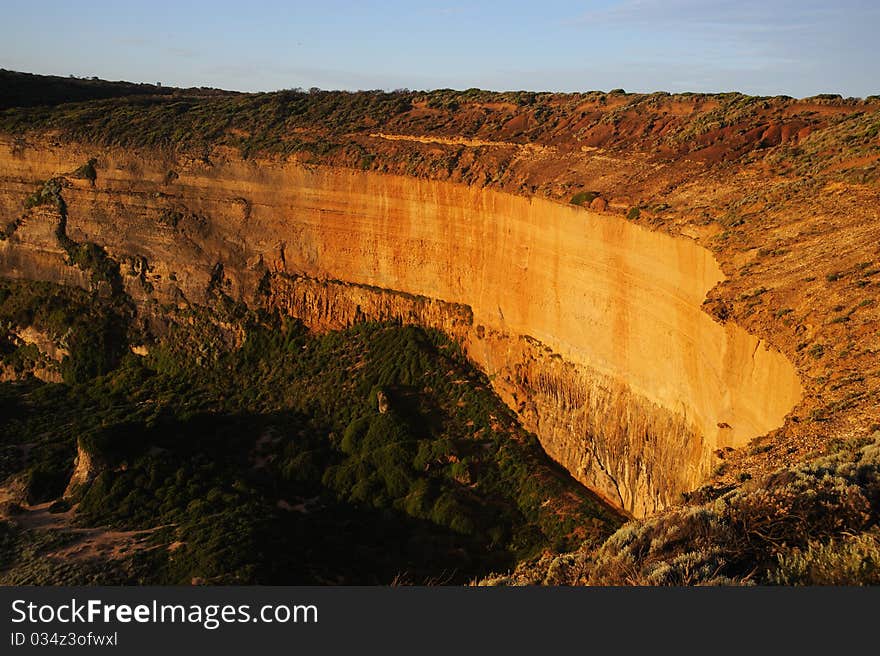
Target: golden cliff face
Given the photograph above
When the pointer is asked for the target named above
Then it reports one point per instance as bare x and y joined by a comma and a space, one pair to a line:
589, 326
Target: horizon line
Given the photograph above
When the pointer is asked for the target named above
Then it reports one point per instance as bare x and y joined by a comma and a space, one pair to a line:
614, 91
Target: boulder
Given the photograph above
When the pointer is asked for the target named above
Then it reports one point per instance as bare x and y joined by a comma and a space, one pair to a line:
599, 204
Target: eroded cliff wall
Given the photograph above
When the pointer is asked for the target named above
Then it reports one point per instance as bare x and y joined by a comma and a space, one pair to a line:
589, 326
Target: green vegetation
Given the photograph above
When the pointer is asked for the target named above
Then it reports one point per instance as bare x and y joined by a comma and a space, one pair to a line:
847, 560
27, 90
87, 171
196, 121
807, 524
634, 214
813, 524
93, 330
87, 256
10, 229
848, 145
584, 197
317, 125
267, 460
49, 193
94, 259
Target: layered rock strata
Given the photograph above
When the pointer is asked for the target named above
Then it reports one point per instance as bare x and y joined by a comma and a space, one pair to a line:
589, 326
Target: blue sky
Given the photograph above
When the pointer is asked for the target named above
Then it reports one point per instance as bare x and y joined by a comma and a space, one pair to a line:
768, 47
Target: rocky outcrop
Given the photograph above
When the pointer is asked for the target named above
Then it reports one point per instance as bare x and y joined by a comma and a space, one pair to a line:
589, 326
637, 454
45, 366
384, 405
334, 304
86, 467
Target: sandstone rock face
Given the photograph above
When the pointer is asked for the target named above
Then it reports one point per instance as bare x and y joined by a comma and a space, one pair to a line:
589, 326
382, 402
599, 204
42, 341
333, 304
85, 469
48, 372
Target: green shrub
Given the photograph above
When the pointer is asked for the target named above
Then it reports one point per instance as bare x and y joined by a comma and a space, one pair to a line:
87, 171
49, 193
584, 197
850, 560
814, 523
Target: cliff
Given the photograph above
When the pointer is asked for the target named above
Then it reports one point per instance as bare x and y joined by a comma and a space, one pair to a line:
590, 326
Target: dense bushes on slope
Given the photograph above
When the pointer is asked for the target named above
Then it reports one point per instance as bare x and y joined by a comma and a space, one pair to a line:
93, 330
264, 458
330, 125
28, 90
812, 524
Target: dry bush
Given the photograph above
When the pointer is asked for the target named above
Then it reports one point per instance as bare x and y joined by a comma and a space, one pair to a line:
811, 524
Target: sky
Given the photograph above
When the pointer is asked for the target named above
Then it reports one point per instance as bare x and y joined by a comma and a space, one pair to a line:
764, 47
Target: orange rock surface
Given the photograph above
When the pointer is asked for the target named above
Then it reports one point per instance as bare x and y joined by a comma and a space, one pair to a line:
640, 388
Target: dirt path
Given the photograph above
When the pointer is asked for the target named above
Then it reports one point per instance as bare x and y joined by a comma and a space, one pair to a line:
88, 543
460, 141
447, 141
